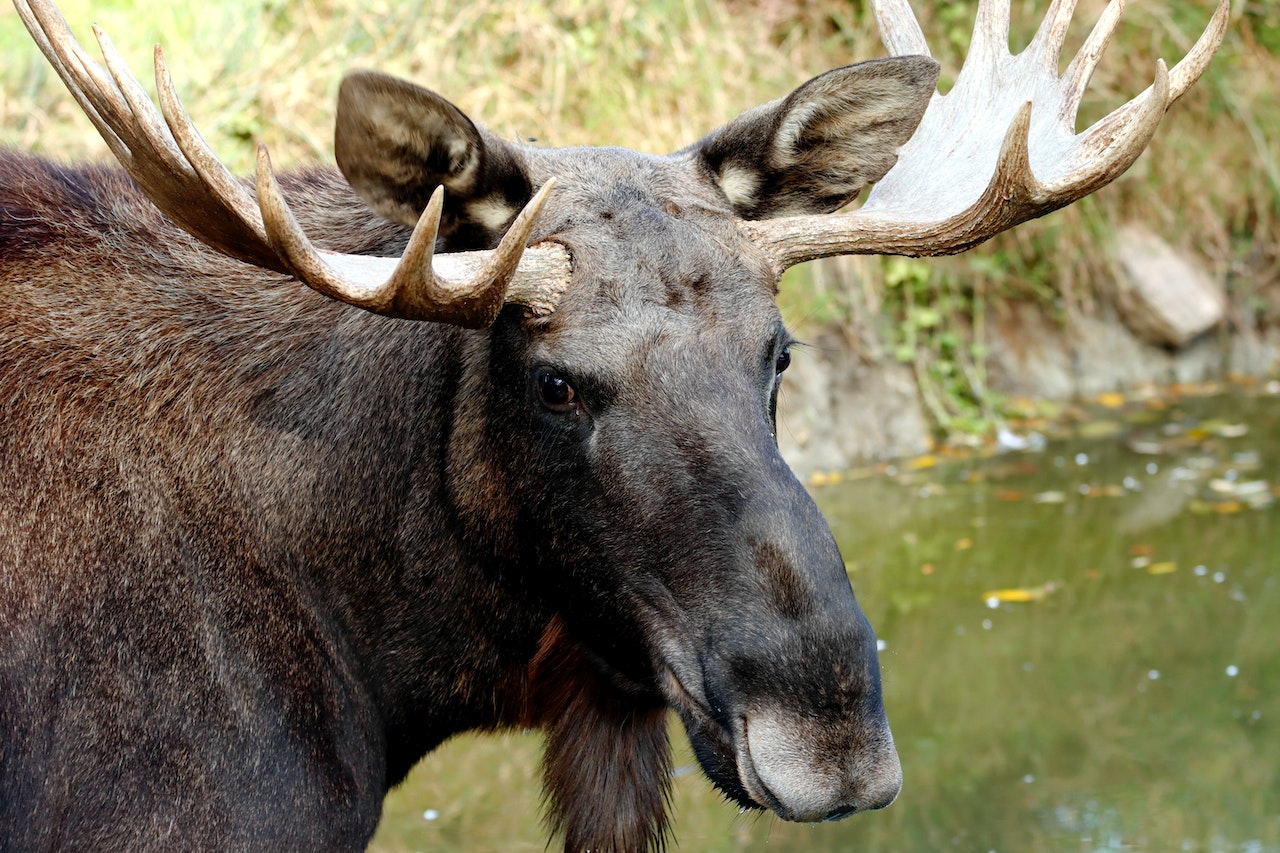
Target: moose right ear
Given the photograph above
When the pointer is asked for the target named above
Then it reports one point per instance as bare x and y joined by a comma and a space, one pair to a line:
814, 150
396, 142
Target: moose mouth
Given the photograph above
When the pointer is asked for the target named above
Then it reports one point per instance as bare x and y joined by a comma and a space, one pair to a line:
760, 761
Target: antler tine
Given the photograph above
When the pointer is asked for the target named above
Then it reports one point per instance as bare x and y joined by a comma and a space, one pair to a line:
139, 114
247, 239
414, 288
899, 29
991, 27
1052, 33
1188, 70
52, 35
165, 154
1110, 146
957, 184
1080, 71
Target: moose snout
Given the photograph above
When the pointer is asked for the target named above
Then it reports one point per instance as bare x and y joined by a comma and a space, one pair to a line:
806, 769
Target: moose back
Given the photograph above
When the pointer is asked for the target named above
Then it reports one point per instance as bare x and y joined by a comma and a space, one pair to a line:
299, 478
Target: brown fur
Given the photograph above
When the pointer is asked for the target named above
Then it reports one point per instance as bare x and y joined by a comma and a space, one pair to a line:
260, 551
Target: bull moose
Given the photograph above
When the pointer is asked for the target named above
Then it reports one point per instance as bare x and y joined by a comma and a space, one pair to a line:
299, 478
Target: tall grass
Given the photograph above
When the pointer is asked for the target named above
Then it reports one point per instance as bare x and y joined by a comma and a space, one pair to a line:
656, 76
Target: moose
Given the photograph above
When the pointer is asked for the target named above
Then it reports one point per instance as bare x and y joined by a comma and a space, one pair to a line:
302, 475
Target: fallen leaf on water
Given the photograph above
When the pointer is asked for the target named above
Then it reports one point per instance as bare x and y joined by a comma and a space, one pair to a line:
964, 544
1050, 497
1239, 488
1162, 568
1019, 594
1146, 446
1217, 426
1010, 495
921, 462
927, 569
1141, 550
1111, 400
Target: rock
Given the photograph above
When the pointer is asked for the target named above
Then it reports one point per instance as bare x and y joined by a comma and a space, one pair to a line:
836, 409
1162, 295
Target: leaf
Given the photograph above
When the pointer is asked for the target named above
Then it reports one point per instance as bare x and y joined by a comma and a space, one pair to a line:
1162, 568
1019, 594
1111, 400
921, 462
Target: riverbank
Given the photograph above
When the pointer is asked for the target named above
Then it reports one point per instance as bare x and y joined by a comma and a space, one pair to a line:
850, 399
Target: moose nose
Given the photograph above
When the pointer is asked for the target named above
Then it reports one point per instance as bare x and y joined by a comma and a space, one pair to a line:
794, 766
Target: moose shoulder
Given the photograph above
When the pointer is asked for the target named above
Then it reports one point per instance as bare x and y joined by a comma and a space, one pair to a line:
261, 550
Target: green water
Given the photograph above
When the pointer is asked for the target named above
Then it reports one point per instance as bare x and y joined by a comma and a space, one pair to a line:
1132, 704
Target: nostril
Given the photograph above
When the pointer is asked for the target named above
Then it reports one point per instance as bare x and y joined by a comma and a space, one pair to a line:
841, 815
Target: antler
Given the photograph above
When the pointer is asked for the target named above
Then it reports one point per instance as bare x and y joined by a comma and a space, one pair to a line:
180, 174
1011, 118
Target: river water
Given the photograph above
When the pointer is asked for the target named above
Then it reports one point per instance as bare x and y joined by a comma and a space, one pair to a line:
1079, 654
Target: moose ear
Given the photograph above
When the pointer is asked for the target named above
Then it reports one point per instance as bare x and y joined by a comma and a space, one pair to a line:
396, 142
814, 150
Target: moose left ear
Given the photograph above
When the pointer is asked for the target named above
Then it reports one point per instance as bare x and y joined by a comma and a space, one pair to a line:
814, 150
396, 142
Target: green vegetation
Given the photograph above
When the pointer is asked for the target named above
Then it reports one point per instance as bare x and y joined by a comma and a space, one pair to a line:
657, 76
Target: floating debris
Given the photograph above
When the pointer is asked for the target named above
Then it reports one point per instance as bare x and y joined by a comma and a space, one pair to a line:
1165, 568
1111, 400
921, 463
995, 597
1009, 441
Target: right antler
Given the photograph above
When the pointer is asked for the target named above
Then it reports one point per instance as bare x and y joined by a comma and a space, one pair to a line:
1000, 148
180, 174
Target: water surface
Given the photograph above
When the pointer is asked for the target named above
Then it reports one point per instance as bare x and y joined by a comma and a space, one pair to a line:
1079, 655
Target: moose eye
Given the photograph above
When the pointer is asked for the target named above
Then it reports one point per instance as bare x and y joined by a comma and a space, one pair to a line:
556, 393
784, 360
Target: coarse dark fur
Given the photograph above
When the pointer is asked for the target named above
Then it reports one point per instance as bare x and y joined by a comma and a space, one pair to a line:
261, 551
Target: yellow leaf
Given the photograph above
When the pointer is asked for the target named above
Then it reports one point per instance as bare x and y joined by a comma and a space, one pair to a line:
1111, 400
921, 462
1162, 568
964, 544
1035, 593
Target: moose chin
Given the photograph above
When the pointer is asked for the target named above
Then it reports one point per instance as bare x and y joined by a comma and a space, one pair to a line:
303, 475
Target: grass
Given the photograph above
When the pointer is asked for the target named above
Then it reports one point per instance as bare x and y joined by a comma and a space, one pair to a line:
657, 76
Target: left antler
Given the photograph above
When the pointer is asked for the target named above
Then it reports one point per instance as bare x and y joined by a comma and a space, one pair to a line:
1000, 148
171, 163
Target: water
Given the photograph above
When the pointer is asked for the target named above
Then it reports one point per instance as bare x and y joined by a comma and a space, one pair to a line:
1079, 655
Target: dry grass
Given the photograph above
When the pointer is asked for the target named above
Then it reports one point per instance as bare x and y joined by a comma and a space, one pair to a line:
654, 77
657, 76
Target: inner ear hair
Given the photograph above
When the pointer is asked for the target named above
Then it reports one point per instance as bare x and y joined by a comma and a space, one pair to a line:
814, 150
396, 142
